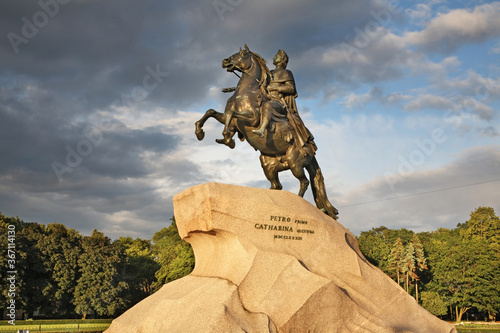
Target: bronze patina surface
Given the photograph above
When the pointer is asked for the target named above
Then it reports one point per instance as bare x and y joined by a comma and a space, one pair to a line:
262, 111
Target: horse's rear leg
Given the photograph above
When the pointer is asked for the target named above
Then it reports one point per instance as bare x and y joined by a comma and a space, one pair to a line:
298, 172
272, 166
319, 189
297, 162
211, 113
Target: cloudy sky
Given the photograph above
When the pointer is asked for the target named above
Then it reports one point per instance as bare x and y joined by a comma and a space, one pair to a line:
98, 101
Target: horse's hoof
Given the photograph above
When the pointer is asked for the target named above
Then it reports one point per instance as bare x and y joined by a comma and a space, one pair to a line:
230, 143
200, 134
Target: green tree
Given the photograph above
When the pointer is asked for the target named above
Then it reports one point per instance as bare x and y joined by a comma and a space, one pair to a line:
456, 268
452, 274
405, 235
433, 302
45, 269
483, 224
409, 266
32, 275
420, 262
373, 245
483, 228
397, 259
486, 285
60, 249
436, 247
101, 286
376, 244
466, 275
175, 256
141, 267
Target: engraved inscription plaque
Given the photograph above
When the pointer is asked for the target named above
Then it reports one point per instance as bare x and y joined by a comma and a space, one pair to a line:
286, 227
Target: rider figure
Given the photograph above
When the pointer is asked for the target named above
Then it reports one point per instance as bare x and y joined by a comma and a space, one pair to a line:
281, 89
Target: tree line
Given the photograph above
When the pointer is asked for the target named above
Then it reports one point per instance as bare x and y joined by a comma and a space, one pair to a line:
60, 273
450, 272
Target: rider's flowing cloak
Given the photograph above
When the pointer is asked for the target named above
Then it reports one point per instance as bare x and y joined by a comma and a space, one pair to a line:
305, 137
302, 135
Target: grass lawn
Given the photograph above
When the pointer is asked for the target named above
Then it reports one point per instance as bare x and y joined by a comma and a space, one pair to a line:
478, 327
63, 325
99, 325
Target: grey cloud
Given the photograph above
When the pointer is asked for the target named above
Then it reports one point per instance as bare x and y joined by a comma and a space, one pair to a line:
120, 153
374, 94
447, 32
489, 131
425, 200
32, 139
429, 101
473, 85
383, 57
90, 58
97, 51
88, 47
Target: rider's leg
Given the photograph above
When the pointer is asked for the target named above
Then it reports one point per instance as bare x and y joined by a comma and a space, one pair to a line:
264, 122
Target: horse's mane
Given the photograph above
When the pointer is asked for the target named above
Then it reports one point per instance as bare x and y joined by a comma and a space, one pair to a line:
266, 73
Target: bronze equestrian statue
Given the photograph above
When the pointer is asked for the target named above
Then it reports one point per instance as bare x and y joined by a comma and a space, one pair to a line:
262, 110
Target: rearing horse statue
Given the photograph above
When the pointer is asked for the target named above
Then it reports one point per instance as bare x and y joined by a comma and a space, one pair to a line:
281, 148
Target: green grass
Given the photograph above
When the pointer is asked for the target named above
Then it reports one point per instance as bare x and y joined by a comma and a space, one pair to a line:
99, 325
65, 325
477, 328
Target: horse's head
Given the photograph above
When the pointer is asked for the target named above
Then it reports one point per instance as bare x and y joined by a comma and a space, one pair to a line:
244, 61
240, 61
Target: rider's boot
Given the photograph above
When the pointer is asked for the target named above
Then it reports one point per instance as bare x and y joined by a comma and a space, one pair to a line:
260, 131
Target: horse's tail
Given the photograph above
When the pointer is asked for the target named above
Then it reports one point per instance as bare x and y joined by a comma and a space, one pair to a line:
319, 189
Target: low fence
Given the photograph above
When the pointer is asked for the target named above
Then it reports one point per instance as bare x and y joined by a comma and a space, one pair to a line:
478, 327
56, 328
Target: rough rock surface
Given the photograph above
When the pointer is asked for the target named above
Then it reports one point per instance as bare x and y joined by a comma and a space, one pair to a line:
269, 261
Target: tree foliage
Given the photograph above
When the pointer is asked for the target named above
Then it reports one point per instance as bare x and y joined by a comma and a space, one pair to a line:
100, 288
377, 244
396, 260
31, 276
60, 249
175, 255
456, 269
432, 301
62, 273
140, 269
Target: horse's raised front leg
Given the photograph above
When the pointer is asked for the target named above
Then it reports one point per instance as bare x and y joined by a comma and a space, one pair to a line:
229, 129
211, 113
